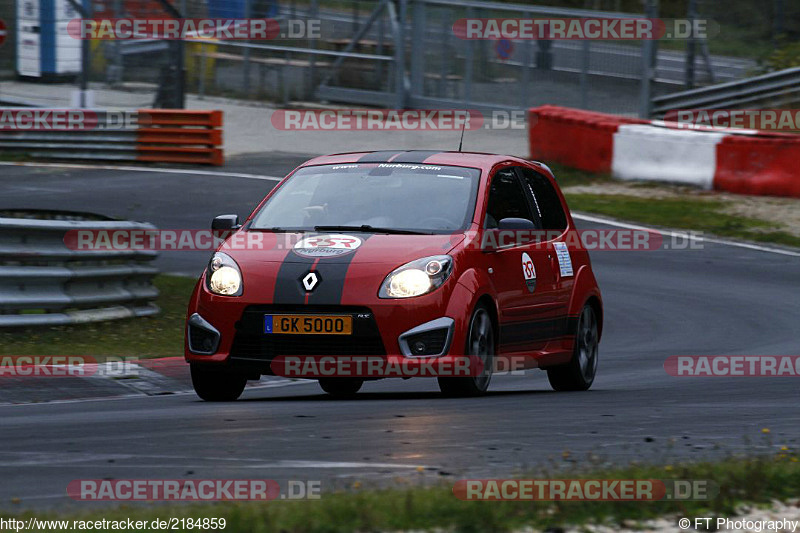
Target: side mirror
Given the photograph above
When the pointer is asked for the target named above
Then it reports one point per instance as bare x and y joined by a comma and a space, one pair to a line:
509, 232
225, 223
515, 224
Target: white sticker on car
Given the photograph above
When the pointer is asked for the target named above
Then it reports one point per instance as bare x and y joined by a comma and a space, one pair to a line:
327, 245
564, 259
529, 272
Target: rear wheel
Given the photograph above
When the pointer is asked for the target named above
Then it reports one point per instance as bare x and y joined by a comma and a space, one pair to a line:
341, 387
480, 343
214, 385
579, 373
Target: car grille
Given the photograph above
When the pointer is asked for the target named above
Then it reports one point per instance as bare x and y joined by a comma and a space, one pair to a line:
251, 344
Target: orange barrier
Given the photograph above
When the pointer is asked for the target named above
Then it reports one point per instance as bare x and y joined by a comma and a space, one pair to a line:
152, 135
573, 137
180, 118
180, 136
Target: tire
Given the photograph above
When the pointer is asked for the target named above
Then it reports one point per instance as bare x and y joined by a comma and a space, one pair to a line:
341, 387
480, 342
214, 385
579, 373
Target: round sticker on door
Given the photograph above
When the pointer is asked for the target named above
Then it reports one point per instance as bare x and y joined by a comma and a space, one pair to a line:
529, 272
327, 245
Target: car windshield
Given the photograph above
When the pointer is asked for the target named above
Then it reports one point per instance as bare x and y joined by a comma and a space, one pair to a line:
379, 197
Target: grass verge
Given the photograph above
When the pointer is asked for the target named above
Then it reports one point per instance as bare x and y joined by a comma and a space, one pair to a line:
697, 213
157, 336
757, 480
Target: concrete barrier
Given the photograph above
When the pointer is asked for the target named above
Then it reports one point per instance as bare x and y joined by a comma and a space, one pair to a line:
644, 152
739, 161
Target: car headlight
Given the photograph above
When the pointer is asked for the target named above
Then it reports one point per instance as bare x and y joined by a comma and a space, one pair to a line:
223, 276
417, 277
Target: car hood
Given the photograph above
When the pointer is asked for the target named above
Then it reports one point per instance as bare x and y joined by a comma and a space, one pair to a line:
257, 248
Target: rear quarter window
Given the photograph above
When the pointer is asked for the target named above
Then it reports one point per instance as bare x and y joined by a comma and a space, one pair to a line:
546, 200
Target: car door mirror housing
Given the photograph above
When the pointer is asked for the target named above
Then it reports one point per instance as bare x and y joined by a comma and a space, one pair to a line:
225, 223
516, 224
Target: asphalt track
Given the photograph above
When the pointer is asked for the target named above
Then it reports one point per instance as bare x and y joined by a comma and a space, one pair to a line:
717, 300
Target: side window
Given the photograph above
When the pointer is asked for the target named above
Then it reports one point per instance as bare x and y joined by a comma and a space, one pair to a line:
545, 200
507, 199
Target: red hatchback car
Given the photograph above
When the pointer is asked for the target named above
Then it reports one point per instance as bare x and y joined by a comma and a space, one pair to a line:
401, 255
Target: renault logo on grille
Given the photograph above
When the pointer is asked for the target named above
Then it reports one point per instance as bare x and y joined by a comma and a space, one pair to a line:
310, 281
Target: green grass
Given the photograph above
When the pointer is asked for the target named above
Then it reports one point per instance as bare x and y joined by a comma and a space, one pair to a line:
758, 480
695, 213
704, 215
157, 336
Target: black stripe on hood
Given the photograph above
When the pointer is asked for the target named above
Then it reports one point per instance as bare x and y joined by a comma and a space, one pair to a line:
332, 273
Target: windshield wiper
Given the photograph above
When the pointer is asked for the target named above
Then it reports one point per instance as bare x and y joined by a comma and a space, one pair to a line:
372, 229
277, 229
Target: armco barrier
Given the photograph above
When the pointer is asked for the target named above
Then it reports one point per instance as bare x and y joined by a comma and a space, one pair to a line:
152, 135
43, 282
739, 161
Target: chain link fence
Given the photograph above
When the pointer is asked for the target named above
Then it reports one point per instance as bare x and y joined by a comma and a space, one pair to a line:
404, 53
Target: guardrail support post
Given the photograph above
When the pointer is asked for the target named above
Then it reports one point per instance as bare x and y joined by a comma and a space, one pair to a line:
645, 104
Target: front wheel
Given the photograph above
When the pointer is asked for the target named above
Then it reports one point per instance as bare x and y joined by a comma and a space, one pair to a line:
579, 373
341, 387
480, 344
213, 385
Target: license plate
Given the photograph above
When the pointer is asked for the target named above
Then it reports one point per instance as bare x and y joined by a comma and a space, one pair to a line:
308, 324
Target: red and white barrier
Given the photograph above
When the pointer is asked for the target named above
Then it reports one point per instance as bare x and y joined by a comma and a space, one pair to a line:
645, 152
740, 161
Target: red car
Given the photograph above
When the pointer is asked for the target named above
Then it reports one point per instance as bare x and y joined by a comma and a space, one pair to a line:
404, 256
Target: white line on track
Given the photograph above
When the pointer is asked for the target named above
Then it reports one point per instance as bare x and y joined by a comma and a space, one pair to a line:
587, 218
261, 386
184, 171
685, 235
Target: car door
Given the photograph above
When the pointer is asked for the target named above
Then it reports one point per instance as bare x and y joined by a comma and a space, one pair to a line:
555, 246
522, 272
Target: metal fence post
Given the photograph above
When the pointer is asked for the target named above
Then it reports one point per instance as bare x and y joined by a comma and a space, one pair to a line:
691, 45
397, 15
248, 13
469, 59
418, 48
585, 58
645, 104
312, 60
201, 77
526, 65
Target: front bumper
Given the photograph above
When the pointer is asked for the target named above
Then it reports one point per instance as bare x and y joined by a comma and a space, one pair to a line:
391, 329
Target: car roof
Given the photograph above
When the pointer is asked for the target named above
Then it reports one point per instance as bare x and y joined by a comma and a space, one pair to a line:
480, 160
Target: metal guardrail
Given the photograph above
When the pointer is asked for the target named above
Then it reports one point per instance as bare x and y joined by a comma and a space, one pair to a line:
734, 94
44, 282
152, 135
